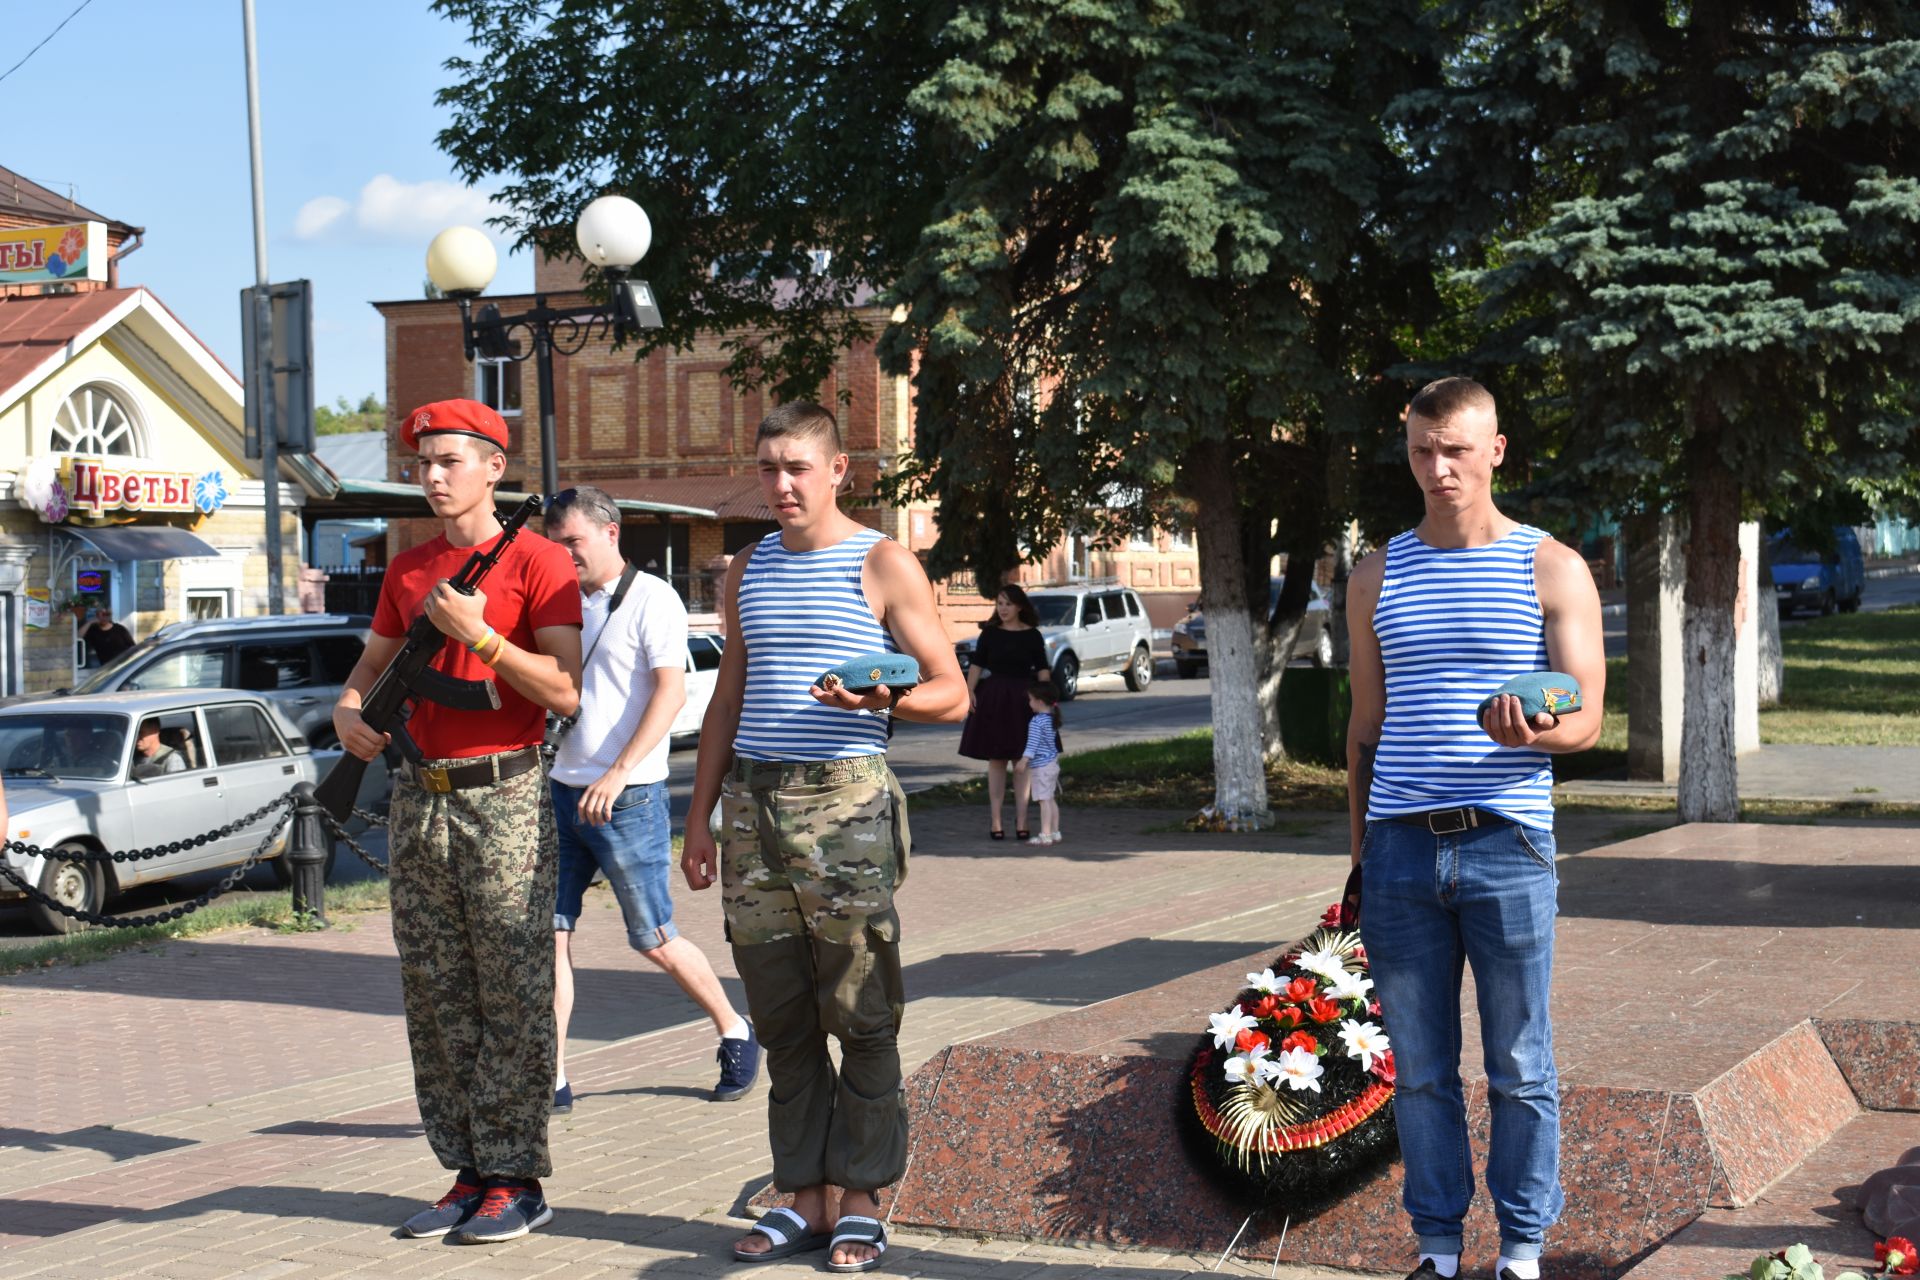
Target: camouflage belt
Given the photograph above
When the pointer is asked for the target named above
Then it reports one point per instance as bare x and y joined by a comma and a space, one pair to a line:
784, 773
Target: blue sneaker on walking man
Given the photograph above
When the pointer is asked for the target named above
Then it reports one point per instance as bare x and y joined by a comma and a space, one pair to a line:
609, 778
1452, 820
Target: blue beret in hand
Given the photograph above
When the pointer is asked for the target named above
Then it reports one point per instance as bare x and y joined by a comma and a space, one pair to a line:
1554, 692
898, 671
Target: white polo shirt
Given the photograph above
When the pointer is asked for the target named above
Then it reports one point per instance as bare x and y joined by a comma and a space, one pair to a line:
649, 631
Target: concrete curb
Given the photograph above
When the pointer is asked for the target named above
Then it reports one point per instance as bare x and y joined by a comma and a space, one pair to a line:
1893, 571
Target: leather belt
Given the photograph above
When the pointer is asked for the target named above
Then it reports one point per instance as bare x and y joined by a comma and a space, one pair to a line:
440, 779
1446, 822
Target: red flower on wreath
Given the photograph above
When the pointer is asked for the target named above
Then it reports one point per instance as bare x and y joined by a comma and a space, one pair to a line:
1288, 1016
1301, 990
1323, 1010
72, 245
1383, 1068
1896, 1256
1330, 919
1300, 1040
1265, 1007
1248, 1041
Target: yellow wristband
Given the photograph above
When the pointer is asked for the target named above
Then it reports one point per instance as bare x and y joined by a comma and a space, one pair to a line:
499, 646
481, 643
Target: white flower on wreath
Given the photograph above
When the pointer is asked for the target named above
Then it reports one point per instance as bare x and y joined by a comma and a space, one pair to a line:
1364, 1041
1324, 963
1225, 1028
1266, 983
1300, 1070
1349, 986
1250, 1067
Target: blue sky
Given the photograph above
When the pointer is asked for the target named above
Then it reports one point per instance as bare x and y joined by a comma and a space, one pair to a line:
140, 106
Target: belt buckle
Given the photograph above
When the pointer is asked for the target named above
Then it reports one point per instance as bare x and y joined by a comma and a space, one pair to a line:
1459, 821
433, 778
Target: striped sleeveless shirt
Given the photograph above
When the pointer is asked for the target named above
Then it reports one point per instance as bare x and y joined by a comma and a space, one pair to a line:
1454, 624
802, 612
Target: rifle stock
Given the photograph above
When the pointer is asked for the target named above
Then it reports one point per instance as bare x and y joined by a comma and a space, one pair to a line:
410, 676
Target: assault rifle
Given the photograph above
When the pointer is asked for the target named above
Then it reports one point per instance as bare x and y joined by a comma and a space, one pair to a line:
411, 677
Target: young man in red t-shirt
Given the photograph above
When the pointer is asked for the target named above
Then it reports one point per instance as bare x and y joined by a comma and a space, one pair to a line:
471, 844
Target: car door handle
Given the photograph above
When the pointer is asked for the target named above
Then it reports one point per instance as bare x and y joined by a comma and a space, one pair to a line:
307, 701
286, 769
210, 782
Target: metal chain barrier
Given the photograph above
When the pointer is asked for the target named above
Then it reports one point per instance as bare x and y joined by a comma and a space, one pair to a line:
157, 851
340, 834
172, 913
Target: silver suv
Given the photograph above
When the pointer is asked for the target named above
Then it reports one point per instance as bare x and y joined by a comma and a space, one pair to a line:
297, 661
1090, 630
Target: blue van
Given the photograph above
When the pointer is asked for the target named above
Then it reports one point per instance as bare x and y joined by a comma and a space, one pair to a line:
1814, 580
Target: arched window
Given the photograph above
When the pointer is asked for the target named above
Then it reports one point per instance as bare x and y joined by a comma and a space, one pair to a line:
94, 420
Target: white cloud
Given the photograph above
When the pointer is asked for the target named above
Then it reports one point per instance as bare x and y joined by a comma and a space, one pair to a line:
388, 209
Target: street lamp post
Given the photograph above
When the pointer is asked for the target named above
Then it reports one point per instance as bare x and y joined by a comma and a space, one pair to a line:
613, 234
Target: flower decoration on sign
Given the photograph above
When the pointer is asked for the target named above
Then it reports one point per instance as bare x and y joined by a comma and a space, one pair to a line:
73, 244
1288, 1098
1895, 1255
210, 492
42, 492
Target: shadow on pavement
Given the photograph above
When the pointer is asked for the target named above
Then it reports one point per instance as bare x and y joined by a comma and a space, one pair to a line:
332, 1129
1745, 894
120, 1144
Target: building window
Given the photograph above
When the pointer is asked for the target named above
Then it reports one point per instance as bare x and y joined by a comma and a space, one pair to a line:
94, 421
209, 602
497, 385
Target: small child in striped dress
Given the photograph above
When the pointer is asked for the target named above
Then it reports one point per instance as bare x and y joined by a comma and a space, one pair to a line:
1041, 763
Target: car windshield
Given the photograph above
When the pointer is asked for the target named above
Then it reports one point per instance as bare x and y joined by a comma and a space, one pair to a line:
1054, 611
101, 678
62, 745
1785, 552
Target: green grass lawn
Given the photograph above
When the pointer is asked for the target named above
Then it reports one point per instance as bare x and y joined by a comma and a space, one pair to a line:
1852, 679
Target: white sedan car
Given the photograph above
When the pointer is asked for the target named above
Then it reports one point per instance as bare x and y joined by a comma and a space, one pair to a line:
703, 667
77, 778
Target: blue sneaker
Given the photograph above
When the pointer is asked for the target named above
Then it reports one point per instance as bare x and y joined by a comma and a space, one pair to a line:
512, 1207
451, 1211
739, 1066
563, 1099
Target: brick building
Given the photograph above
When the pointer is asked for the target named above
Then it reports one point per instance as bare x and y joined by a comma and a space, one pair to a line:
671, 430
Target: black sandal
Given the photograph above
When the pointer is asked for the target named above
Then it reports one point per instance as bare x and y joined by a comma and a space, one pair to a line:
1022, 833
997, 835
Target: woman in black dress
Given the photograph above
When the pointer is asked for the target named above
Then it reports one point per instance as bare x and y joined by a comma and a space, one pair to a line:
1010, 654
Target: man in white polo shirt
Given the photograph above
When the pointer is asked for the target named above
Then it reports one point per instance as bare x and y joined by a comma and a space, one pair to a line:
610, 777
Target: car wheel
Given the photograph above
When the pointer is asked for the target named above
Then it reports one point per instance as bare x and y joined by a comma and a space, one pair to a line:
1322, 655
1851, 605
80, 885
1140, 670
1827, 605
1066, 676
1185, 668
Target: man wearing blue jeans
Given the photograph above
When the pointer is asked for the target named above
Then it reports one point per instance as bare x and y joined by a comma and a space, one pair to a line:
609, 778
1452, 821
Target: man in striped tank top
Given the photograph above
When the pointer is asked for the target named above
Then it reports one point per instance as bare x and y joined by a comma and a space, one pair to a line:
1452, 820
813, 833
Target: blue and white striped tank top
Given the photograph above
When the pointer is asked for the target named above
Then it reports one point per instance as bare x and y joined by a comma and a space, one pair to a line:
802, 612
1454, 624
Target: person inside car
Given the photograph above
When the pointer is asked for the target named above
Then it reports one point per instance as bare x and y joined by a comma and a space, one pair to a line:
152, 757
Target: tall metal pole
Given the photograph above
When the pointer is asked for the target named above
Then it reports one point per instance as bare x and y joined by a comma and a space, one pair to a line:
543, 365
260, 376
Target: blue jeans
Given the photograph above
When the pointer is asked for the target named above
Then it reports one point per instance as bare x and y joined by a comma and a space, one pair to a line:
1430, 905
634, 848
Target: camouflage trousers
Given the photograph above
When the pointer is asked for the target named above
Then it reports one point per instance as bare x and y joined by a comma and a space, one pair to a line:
810, 857
473, 881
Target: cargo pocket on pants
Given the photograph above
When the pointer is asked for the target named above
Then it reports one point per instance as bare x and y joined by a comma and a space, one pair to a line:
867, 1149
902, 831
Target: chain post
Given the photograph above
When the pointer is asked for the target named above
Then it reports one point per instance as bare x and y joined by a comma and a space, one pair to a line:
307, 854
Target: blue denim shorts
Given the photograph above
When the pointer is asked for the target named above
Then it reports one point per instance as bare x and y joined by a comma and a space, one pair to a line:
635, 850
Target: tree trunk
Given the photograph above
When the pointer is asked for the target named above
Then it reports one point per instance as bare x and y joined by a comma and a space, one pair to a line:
1239, 766
1709, 772
1337, 593
1283, 635
1773, 671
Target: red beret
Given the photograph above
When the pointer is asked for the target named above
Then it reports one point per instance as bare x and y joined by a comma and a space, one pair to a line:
454, 418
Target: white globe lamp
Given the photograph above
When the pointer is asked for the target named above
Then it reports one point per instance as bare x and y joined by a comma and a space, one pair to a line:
613, 231
461, 261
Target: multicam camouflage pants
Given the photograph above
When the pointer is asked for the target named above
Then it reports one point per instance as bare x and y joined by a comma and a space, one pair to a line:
810, 857
473, 888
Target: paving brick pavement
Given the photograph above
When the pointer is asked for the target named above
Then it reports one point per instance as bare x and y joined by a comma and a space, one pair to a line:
241, 1105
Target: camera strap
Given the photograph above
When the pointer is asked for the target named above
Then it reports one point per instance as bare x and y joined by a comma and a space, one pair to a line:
558, 726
